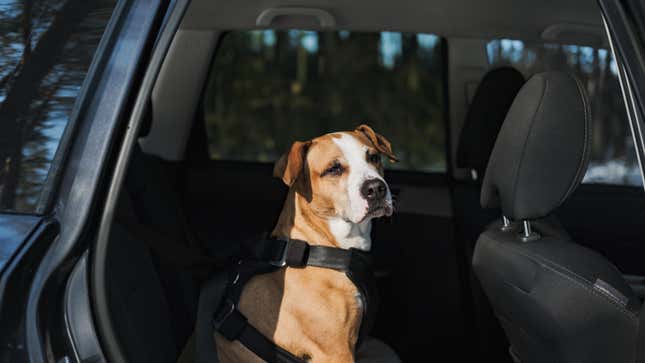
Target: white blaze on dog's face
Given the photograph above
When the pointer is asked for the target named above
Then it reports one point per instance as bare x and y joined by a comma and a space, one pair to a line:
341, 177
367, 193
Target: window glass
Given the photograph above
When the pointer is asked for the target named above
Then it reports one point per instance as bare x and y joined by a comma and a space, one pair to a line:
270, 88
45, 51
613, 158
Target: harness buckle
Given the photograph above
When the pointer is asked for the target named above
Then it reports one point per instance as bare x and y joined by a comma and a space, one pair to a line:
294, 254
283, 258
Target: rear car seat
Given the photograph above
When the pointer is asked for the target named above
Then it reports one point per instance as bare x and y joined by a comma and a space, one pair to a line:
153, 296
150, 186
142, 315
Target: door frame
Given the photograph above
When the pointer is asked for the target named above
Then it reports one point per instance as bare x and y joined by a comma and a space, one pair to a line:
625, 32
81, 164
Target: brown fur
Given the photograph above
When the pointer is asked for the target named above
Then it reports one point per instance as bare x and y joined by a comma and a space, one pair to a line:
311, 312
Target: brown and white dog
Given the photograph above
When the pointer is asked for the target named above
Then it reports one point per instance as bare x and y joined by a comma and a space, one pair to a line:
336, 188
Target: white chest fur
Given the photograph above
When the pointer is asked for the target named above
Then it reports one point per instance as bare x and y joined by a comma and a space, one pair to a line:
352, 235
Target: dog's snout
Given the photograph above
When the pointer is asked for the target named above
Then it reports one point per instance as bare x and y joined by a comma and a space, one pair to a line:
373, 189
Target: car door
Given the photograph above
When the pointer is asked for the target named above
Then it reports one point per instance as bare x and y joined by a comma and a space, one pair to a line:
67, 70
624, 22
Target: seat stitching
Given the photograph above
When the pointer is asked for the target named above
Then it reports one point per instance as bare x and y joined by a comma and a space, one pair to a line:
547, 263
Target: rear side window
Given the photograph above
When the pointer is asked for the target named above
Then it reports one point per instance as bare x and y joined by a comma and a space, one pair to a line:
269, 88
46, 48
613, 157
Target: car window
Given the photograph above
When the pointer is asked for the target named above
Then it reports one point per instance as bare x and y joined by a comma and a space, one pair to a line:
269, 88
45, 51
613, 157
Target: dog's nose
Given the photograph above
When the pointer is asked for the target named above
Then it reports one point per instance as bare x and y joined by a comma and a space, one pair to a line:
373, 189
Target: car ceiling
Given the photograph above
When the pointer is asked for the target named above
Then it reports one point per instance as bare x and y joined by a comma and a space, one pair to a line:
520, 19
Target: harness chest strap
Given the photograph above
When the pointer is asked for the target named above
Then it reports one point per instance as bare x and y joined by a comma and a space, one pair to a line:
273, 254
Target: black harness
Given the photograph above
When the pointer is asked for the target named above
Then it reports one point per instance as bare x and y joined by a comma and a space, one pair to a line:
223, 292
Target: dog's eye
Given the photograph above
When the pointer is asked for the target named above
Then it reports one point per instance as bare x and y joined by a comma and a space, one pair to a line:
336, 169
373, 158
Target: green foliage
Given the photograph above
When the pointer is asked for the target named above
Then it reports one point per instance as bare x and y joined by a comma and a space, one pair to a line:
263, 94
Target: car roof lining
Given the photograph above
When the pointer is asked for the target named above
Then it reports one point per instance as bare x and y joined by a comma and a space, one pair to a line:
518, 19
178, 89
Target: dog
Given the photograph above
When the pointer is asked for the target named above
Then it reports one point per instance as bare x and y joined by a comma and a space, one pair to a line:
336, 188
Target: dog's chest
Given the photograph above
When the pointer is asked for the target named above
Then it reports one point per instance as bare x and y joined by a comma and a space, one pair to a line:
316, 307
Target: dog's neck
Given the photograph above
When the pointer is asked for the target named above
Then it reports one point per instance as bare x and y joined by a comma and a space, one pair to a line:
298, 221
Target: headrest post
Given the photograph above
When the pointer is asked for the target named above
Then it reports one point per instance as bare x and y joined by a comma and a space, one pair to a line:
527, 232
527, 228
506, 224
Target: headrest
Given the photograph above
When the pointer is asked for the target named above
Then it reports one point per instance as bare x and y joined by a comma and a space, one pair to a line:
485, 116
542, 149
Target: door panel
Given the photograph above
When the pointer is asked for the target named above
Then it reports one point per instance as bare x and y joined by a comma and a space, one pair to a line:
608, 219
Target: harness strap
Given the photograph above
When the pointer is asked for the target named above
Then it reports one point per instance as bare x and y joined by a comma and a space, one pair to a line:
296, 253
274, 254
234, 326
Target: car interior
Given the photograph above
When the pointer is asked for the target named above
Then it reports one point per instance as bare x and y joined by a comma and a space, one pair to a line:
496, 108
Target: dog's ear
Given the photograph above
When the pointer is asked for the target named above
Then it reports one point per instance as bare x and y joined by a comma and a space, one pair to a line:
290, 165
379, 141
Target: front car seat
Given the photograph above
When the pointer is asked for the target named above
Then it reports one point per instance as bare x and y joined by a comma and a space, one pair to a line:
557, 301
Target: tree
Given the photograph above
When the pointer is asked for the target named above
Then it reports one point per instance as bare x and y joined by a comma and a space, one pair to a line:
48, 64
257, 104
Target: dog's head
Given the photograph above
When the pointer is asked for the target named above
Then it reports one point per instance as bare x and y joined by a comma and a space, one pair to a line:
340, 174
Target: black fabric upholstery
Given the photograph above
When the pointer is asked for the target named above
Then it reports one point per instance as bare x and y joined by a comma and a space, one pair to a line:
485, 116
556, 300
487, 111
157, 207
153, 298
141, 314
543, 293
542, 149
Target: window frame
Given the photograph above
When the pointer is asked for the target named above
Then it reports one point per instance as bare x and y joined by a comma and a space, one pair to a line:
628, 50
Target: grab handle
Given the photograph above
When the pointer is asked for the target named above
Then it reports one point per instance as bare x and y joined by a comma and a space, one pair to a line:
268, 16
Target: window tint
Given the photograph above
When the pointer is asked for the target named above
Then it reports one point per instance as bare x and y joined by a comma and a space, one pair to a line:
613, 158
45, 51
270, 88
